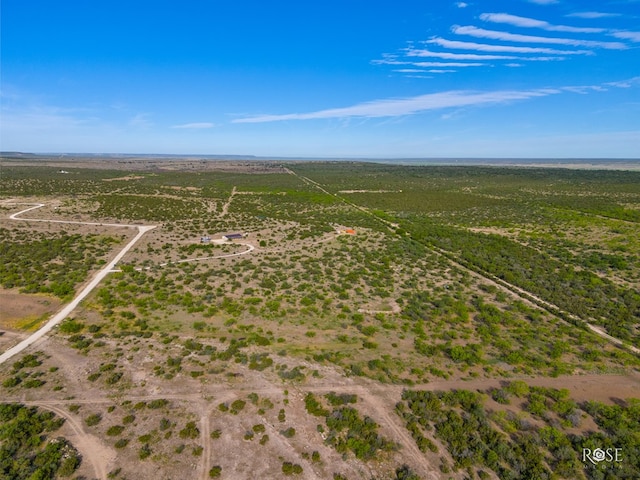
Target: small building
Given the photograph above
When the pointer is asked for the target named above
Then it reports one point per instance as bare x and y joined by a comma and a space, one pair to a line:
350, 231
234, 236
205, 239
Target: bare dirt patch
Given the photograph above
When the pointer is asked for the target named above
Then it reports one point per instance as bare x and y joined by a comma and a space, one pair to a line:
17, 309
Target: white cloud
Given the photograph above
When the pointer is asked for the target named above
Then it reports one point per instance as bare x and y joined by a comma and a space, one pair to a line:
429, 64
584, 89
475, 56
447, 64
532, 23
591, 15
195, 125
408, 106
395, 107
416, 70
514, 37
462, 5
625, 35
456, 56
543, 2
410, 70
481, 47
631, 82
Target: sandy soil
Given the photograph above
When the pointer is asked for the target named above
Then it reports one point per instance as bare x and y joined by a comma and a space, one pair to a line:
16, 306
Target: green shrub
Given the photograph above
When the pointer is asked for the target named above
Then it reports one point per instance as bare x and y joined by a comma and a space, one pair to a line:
11, 382
189, 431
121, 443
115, 430
237, 406
144, 452
70, 326
158, 403
93, 419
289, 468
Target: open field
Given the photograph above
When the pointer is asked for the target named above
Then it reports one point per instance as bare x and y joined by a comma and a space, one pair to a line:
305, 346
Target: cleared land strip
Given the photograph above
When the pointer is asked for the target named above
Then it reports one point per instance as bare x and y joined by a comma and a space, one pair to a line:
518, 292
206, 445
225, 207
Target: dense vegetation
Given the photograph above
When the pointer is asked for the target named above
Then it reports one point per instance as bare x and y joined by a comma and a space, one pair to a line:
541, 443
27, 448
49, 263
577, 291
347, 430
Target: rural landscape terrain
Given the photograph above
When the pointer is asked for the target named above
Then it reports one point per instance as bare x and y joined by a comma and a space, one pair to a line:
194, 318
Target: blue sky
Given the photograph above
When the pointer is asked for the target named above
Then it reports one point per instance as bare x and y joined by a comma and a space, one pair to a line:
337, 78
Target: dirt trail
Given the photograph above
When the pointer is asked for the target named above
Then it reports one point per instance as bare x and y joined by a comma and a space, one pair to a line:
90, 447
225, 207
250, 248
400, 433
205, 439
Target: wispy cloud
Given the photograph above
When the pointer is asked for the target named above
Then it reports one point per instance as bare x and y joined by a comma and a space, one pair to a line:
507, 44
462, 4
543, 2
448, 64
475, 56
514, 37
591, 15
625, 35
396, 107
196, 125
533, 23
410, 70
481, 47
390, 61
631, 82
456, 56
409, 106
416, 70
